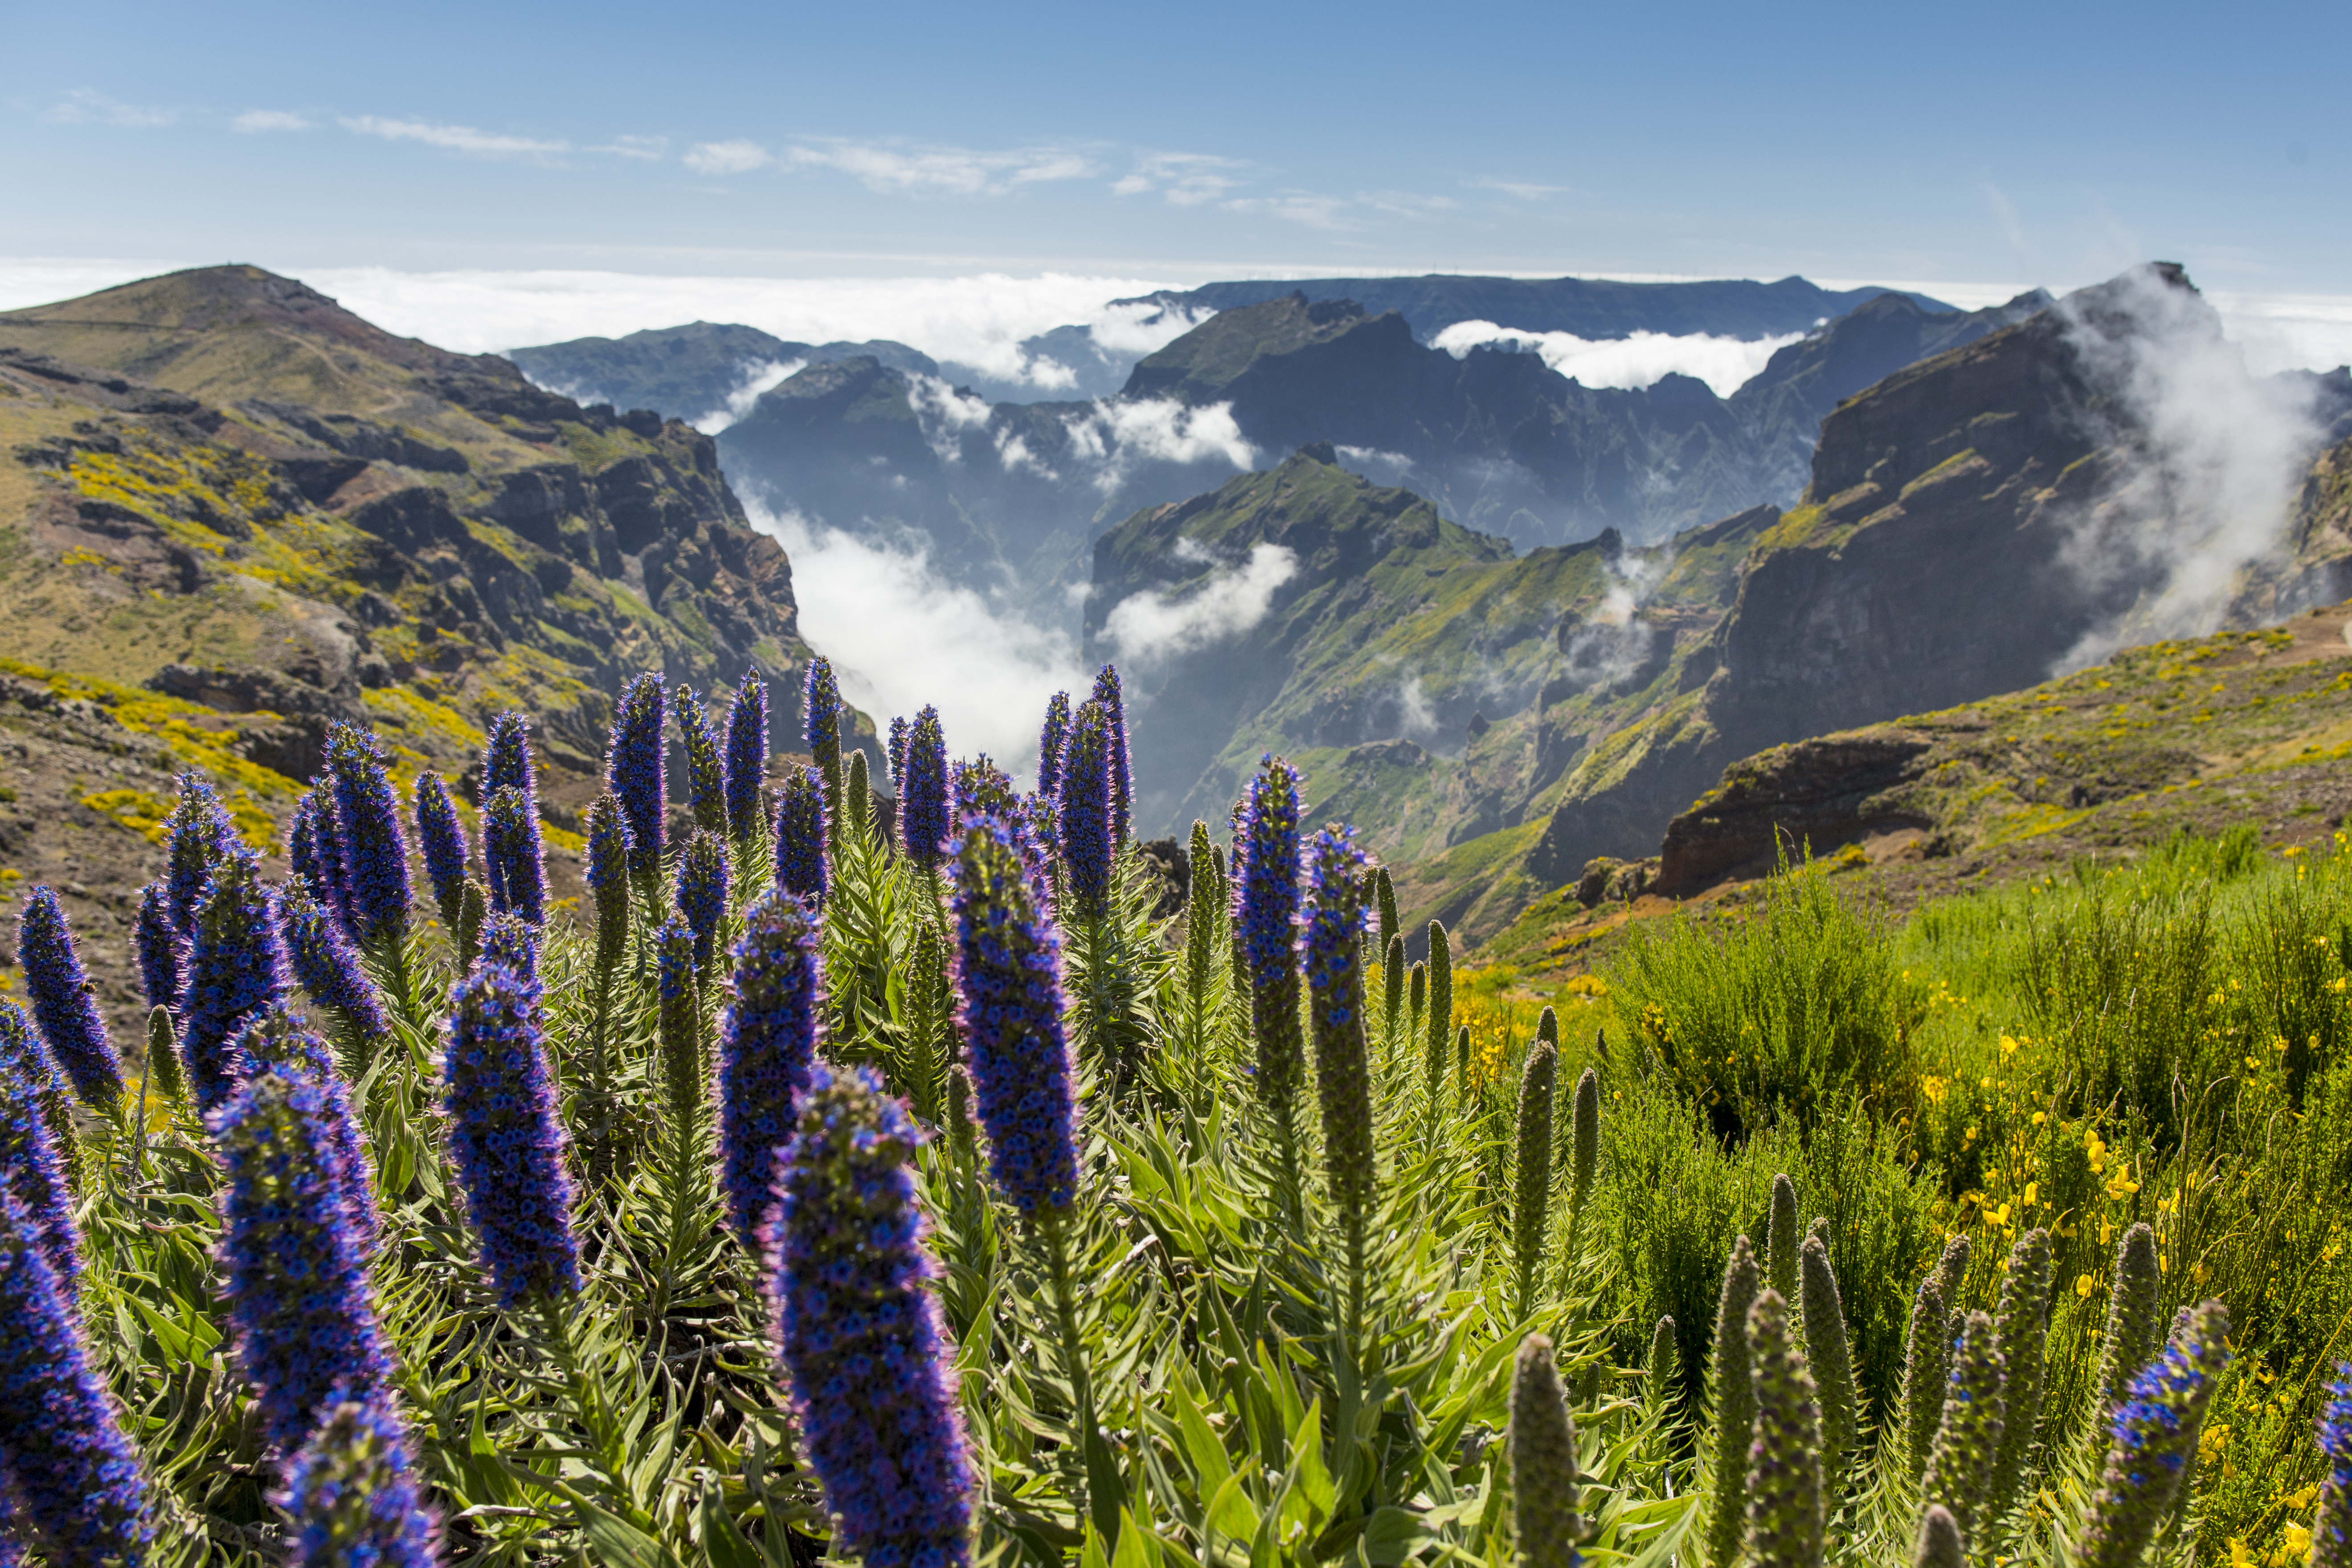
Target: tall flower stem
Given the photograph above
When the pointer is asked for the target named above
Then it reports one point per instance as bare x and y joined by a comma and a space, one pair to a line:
1098, 1496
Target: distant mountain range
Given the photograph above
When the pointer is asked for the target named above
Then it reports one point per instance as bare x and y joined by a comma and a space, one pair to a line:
1590, 308
1498, 719
1010, 494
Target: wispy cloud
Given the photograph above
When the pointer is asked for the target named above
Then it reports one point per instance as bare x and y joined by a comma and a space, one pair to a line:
1527, 191
87, 106
1185, 179
736, 157
643, 147
1300, 208
919, 170
453, 137
254, 120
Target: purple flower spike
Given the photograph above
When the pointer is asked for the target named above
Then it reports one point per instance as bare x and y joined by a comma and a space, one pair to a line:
355, 1496
29, 1163
1332, 945
64, 1003
801, 864
507, 766
1009, 978
872, 1375
1050, 741
375, 849
510, 849
303, 853
236, 966
2155, 1443
634, 770
1084, 813
702, 892
277, 1041
330, 879
1122, 768
923, 795
1266, 845
767, 1038
821, 714
706, 771
510, 939
162, 971
200, 833
898, 753
324, 962
506, 1139
78, 1476
747, 756
608, 877
295, 1267
441, 841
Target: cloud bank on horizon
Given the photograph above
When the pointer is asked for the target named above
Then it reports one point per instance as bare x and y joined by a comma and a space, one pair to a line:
982, 318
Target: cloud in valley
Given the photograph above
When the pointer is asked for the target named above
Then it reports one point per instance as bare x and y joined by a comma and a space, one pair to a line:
900, 635
2213, 457
1119, 435
1639, 361
1156, 625
757, 379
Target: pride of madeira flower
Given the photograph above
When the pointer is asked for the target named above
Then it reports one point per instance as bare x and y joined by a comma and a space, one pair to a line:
1008, 973
76, 1475
861, 1334
767, 1042
505, 1138
2156, 1429
64, 1003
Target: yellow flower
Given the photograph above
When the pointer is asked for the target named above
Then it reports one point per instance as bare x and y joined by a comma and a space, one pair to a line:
2238, 1556
2033, 1194
2086, 1285
2298, 1539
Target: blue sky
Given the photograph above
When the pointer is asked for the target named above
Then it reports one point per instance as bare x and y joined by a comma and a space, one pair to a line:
1997, 143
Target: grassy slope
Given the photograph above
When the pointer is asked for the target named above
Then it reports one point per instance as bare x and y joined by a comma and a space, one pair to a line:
2241, 728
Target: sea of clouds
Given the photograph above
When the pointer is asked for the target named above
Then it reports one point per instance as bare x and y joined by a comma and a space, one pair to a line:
904, 633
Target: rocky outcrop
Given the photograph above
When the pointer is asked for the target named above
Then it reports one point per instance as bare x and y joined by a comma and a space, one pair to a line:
418, 537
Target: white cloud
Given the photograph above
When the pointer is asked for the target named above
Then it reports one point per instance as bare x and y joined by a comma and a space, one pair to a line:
736, 157
2210, 459
919, 170
1641, 360
1154, 624
1185, 179
1297, 207
453, 138
262, 120
943, 414
2289, 332
900, 635
644, 148
978, 320
1142, 328
757, 379
1527, 191
86, 106
1116, 435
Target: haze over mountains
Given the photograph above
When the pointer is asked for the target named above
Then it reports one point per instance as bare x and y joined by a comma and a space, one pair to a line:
1507, 622
875, 440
